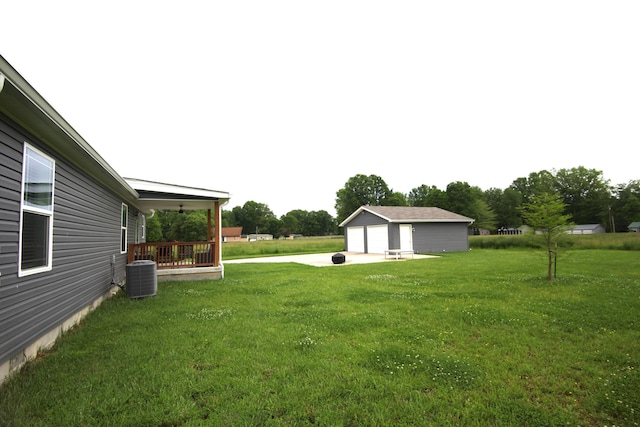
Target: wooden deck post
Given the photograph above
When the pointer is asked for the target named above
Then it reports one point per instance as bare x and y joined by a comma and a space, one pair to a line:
217, 247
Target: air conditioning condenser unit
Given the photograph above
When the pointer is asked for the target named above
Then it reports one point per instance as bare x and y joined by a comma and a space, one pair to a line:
142, 280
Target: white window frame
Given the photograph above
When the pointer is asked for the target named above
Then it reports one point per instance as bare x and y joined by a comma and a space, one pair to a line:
124, 225
46, 212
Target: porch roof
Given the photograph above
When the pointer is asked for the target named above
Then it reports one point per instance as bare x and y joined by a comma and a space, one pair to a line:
157, 195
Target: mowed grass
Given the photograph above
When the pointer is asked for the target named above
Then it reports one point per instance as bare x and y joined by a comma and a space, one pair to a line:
476, 338
307, 245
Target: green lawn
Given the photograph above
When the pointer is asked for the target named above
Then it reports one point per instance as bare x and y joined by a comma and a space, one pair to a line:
477, 338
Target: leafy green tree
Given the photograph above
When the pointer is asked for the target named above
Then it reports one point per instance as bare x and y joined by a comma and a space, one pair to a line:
320, 223
193, 227
462, 198
228, 219
254, 216
395, 199
483, 215
170, 222
272, 225
154, 230
545, 213
427, 196
358, 191
291, 222
190, 226
537, 183
314, 223
586, 193
626, 207
505, 204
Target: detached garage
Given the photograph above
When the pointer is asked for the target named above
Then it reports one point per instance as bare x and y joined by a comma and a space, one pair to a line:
376, 229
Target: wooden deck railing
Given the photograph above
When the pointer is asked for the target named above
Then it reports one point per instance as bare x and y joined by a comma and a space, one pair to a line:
174, 254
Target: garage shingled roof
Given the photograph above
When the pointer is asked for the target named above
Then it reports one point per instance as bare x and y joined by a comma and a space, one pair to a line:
410, 214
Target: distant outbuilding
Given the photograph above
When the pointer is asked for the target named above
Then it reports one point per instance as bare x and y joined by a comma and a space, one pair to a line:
587, 229
381, 229
634, 227
232, 234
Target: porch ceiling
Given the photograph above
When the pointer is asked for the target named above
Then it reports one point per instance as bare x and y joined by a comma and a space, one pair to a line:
156, 195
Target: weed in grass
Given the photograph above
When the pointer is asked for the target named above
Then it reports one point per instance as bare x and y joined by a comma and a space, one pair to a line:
478, 315
408, 295
380, 277
209, 314
619, 396
306, 343
190, 292
439, 370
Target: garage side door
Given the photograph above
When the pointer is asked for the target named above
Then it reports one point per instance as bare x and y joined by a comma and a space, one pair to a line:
355, 239
406, 237
377, 239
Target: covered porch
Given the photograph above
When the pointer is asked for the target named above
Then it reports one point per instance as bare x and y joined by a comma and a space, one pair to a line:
181, 260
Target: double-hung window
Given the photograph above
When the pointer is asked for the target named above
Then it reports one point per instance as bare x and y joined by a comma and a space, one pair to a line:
123, 228
36, 212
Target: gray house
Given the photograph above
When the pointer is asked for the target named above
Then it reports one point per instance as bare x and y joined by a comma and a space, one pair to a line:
587, 229
68, 222
376, 229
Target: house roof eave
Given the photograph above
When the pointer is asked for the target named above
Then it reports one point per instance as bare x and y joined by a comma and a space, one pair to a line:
24, 105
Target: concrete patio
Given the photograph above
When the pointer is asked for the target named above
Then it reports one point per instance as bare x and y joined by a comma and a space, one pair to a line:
324, 259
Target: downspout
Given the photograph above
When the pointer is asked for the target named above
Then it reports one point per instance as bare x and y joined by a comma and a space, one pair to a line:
1, 82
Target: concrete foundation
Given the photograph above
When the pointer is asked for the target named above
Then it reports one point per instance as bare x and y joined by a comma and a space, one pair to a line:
47, 340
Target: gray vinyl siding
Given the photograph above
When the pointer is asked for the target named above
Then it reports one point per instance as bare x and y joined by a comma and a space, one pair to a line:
366, 218
394, 236
10, 176
86, 233
435, 237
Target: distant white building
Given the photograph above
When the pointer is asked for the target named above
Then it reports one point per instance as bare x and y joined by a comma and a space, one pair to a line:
255, 237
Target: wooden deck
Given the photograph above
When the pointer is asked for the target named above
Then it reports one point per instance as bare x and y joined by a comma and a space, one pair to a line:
174, 255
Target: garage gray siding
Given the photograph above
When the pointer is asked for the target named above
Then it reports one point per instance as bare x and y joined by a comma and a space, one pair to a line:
394, 236
440, 237
367, 218
86, 234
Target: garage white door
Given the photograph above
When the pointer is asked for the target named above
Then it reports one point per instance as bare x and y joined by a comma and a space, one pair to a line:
377, 239
355, 239
406, 237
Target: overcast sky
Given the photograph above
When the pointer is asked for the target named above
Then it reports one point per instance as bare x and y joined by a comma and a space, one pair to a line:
281, 102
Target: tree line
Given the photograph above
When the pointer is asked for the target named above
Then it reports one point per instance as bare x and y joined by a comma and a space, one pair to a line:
587, 198
253, 217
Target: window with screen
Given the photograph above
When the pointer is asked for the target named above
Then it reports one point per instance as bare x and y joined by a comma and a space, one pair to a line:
36, 212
